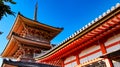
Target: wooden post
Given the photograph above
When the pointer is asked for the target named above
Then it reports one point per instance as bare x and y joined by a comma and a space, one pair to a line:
104, 51
62, 63
77, 59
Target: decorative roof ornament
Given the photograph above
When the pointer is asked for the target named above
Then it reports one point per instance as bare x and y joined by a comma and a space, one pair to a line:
75, 33
86, 26
35, 12
89, 24
112, 8
82, 30
78, 32
100, 16
104, 14
108, 11
92, 21
96, 19
117, 5
65, 40
71, 36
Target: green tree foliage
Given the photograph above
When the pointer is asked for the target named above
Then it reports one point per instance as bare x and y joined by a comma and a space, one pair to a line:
5, 9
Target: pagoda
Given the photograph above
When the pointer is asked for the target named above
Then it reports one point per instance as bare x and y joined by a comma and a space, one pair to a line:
28, 38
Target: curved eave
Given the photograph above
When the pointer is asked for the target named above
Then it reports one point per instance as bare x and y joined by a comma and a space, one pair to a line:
12, 45
42, 26
10, 48
32, 42
109, 15
22, 19
15, 25
38, 23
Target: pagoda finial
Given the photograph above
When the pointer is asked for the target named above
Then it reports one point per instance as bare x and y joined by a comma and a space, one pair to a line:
35, 12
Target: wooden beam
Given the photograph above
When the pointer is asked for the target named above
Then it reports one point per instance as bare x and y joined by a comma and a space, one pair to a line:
104, 51
77, 59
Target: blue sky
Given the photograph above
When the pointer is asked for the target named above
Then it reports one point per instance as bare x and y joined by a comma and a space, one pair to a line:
69, 14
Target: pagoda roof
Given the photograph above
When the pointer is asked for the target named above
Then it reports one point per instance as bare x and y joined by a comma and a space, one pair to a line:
79, 38
10, 48
33, 43
13, 45
35, 24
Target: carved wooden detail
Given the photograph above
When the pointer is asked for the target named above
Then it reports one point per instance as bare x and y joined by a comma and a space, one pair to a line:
36, 34
26, 52
33, 33
44, 34
23, 33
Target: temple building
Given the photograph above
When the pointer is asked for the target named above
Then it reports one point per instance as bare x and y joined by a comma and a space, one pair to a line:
95, 45
28, 38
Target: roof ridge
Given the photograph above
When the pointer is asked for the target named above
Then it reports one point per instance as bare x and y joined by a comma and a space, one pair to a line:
83, 28
92, 22
39, 22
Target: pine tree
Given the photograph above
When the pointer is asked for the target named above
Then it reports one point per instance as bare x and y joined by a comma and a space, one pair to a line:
5, 9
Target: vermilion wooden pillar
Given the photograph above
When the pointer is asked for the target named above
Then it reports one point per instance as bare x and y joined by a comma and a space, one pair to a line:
62, 63
77, 59
104, 51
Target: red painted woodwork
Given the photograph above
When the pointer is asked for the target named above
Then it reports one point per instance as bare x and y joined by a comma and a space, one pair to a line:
90, 53
103, 48
108, 27
104, 51
77, 59
62, 63
69, 62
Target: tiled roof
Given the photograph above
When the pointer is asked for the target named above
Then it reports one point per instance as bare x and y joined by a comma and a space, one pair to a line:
82, 29
92, 22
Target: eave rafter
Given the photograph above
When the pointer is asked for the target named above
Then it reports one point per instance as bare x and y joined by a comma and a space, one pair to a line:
37, 44
18, 53
24, 26
52, 31
88, 42
10, 48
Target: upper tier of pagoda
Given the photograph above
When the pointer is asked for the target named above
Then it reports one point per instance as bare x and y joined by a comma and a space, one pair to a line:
28, 37
26, 27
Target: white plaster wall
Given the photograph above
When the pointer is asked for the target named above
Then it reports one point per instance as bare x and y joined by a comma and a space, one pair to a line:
89, 50
113, 48
116, 64
68, 65
70, 59
96, 55
83, 60
91, 57
73, 64
113, 39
